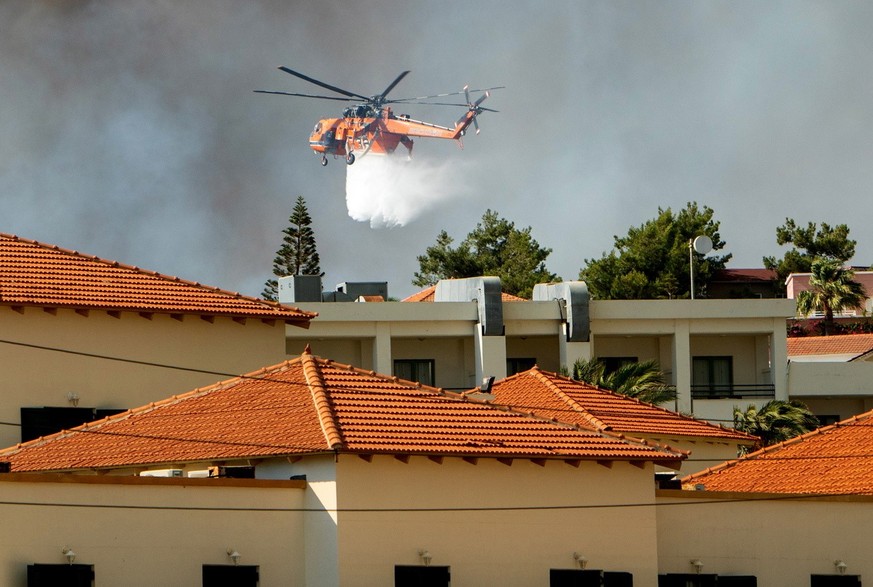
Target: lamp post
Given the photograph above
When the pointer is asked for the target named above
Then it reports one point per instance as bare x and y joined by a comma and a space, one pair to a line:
702, 245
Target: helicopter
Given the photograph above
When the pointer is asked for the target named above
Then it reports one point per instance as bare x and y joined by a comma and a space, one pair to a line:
371, 125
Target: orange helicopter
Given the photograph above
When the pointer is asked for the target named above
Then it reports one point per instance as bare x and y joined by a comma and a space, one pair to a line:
371, 125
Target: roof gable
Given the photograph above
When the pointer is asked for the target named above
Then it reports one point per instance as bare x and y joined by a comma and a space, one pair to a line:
833, 460
554, 396
310, 405
37, 274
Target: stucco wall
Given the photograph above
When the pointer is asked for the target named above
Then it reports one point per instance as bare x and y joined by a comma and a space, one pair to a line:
516, 546
35, 378
150, 534
781, 541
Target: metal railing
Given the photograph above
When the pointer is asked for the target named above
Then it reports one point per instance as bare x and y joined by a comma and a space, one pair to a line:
732, 390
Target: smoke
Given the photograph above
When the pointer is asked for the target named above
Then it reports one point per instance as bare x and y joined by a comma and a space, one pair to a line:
389, 191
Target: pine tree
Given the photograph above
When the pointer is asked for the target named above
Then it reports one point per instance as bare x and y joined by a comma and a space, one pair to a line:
298, 254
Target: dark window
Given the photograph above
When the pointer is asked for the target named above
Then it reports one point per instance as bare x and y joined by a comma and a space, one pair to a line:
36, 422
835, 581
420, 576
737, 581
613, 364
617, 579
687, 580
54, 575
827, 420
514, 366
713, 375
420, 370
575, 578
230, 576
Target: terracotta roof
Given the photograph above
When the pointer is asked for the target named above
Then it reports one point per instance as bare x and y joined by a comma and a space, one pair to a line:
37, 274
744, 275
833, 460
553, 396
428, 294
839, 344
310, 405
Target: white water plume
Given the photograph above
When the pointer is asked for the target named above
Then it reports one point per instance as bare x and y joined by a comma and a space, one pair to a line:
389, 191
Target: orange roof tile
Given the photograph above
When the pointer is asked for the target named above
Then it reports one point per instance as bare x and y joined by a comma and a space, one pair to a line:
310, 405
834, 460
565, 399
37, 274
840, 344
428, 295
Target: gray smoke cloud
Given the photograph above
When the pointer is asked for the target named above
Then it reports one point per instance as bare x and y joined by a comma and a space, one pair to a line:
130, 130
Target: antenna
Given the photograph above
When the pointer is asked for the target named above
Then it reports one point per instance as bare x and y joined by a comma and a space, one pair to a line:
701, 245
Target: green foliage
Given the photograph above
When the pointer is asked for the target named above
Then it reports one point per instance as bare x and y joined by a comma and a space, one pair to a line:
298, 254
495, 247
642, 380
775, 421
652, 261
831, 289
810, 243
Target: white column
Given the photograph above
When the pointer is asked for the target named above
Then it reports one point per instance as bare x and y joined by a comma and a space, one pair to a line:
382, 362
682, 366
779, 358
490, 355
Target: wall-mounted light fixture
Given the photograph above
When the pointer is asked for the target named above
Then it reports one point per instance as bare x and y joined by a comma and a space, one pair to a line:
425, 556
73, 398
234, 556
840, 566
697, 564
580, 560
69, 554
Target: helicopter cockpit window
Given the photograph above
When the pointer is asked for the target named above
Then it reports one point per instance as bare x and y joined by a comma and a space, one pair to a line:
317, 127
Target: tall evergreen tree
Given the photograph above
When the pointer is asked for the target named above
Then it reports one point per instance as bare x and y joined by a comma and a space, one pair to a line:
810, 243
495, 247
652, 261
298, 254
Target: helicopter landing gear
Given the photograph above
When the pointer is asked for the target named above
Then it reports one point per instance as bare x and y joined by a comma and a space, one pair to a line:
324, 161
350, 158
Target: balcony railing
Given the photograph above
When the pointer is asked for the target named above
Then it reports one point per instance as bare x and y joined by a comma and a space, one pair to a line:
732, 390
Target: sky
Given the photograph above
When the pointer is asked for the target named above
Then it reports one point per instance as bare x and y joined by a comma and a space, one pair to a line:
130, 130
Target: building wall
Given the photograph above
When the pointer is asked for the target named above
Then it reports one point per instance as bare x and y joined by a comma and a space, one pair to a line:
185, 524
484, 546
35, 377
780, 541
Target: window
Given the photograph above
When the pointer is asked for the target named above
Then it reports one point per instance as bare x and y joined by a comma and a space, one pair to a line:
835, 581
613, 364
589, 577
516, 365
712, 376
420, 370
53, 575
230, 576
687, 580
421, 576
36, 422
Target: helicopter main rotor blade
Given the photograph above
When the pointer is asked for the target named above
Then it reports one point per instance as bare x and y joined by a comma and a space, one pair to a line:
446, 94
322, 84
394, 83
304, 95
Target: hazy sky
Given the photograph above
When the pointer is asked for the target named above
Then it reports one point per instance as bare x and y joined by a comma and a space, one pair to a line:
129, 130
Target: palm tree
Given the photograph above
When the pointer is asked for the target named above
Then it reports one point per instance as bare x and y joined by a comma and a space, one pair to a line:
775, 421
831, 289
641, 380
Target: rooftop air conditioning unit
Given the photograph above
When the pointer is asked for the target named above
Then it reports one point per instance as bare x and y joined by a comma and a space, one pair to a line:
162, 473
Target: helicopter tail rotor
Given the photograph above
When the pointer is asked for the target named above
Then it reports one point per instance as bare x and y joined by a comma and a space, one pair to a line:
474, 108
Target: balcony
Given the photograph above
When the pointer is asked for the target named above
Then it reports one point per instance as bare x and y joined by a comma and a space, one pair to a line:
733, 390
